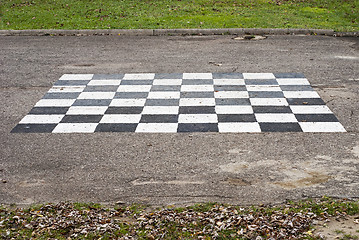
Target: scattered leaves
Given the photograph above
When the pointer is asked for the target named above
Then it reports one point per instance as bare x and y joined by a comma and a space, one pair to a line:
201, 221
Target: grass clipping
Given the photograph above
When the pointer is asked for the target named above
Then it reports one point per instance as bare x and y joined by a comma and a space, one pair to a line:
293, 220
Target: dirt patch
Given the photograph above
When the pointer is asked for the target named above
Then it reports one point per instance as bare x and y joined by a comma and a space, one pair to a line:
313, 179
32, 183
339, 228
238, 182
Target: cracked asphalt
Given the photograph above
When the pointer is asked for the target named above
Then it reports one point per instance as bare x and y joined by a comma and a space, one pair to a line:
163, 169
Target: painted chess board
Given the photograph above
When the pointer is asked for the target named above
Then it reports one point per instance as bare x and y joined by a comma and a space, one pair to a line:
185, 102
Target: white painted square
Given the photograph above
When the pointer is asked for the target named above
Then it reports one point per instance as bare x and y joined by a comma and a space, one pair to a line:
96, 95
139, 76
197, 102
42, 119
67, 89
263, 88
163, 82
55, 103
197, 75
275, 117
75, 128
76, 77
121, 118
223, 109
239, 127
268, 102
258, 76
229, 82
134, 88
160, 110
86, 110
321, 127
301, 94
292, 81
139, 102
231, 94
197, 88
157, 127
164, 95
310, 109
107, 82
197, 118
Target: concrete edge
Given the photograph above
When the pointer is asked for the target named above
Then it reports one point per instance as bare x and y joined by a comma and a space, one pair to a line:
169, 32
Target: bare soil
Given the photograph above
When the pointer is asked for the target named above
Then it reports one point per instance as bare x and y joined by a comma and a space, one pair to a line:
338, 228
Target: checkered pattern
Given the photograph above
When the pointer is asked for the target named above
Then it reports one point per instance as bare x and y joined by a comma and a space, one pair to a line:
185, 102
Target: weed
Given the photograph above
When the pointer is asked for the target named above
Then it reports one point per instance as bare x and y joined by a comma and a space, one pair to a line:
86, 206
203, 207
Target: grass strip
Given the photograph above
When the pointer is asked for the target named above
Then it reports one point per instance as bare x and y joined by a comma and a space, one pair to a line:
339, 15
292, 220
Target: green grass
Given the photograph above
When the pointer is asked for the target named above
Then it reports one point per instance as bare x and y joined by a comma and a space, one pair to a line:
328, 205
349, 237
340, 15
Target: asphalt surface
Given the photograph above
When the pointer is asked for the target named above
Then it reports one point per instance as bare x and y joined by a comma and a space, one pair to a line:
161, 169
